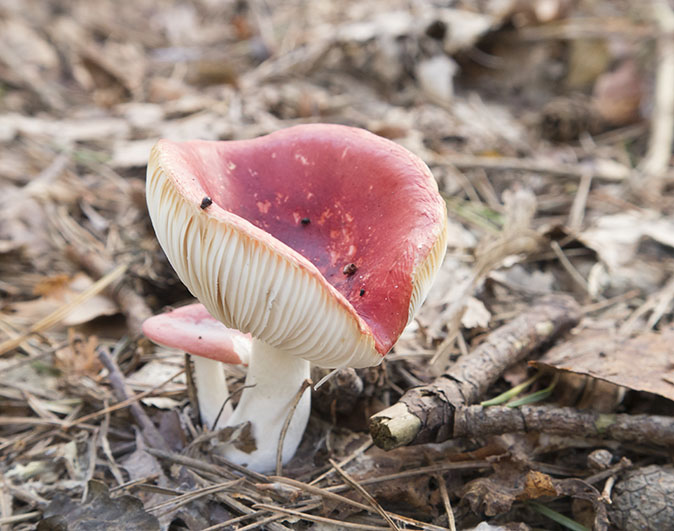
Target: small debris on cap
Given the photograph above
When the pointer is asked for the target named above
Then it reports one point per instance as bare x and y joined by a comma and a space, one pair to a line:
206, 202
305, 221
350, 269
362, 292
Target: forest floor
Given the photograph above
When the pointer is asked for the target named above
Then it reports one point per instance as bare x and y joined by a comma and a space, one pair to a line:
548, 125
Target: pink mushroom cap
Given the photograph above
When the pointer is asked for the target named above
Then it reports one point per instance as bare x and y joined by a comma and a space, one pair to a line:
192, 329
357, 217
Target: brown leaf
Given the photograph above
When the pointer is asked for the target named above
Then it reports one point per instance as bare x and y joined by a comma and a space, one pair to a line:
58, 290
537, 485
98, 511
642, 363
79, 356
240, 436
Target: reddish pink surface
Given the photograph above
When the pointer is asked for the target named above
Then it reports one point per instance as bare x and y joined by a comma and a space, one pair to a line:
369, 202
192, 329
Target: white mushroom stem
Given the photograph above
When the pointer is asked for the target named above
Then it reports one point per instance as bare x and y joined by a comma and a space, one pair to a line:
276, 377
212, 392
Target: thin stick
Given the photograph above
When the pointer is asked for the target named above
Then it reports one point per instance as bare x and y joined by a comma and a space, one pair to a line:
133, 483
344, 462
15, 519
190, 462
279, 450
222, 407
577, 211
313, 518
5, 503
569, 267
606, 493
150, 433
123, 403
343, 499
365, 494
271, 519
183, 499
57, 315
445, 500
233, 521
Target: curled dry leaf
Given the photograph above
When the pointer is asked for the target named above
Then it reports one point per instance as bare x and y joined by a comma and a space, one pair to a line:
58, 291
614, 359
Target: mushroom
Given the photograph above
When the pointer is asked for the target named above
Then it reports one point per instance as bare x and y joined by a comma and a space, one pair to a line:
319, 240
193, 330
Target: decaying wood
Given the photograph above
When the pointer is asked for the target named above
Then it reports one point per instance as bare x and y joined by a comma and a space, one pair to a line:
478, 421
426, 413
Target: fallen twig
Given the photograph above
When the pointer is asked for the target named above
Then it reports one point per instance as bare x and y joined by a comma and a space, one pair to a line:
426, 414
365, 494
150, 433
279, 449
478, 421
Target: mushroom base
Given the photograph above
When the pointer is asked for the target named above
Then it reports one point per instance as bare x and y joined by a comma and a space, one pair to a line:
212, 392
275, 378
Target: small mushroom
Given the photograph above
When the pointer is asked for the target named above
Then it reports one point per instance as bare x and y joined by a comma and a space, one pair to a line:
258, 269
193, 330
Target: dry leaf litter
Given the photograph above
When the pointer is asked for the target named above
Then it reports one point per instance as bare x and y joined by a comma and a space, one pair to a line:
548, 125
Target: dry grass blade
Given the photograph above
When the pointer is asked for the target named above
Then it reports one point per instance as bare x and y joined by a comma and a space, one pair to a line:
445, 500
279, 450
569, 267
312, 489
124, 403
271, 520
367, 444
365, 494
55, 317
461, 465
191, 496
17, 518
321, 519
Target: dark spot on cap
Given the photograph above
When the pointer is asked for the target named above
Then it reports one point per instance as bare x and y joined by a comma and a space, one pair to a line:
362, 292
199, 337
305, 221
206, 202
349, 269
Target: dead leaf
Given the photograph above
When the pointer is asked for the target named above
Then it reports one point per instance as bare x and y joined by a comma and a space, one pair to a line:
537, 485
79, 357
642, 363
619, 241
240, 436
495, 494
59, 290
98, 512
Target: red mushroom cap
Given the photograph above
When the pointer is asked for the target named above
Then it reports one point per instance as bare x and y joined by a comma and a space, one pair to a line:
357, 216
192, 329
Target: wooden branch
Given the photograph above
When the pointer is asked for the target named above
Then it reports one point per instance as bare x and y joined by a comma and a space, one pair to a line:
426, 414
478, 421
148, 430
